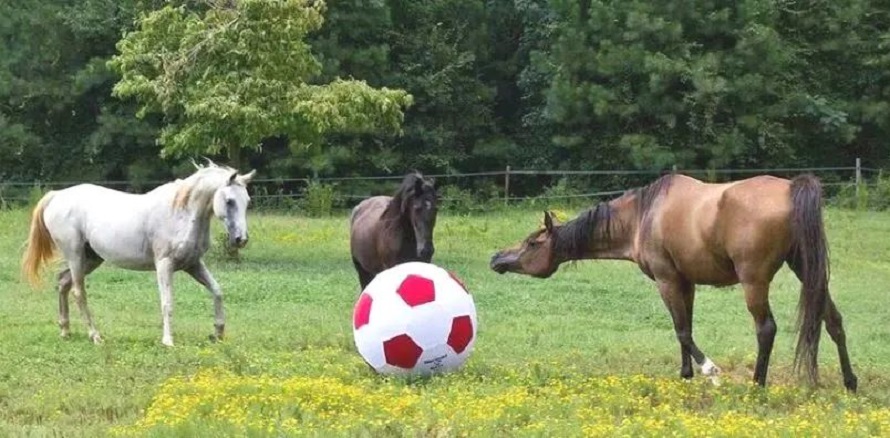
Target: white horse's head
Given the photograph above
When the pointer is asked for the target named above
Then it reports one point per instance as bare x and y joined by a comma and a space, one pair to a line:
223, 190
230, 205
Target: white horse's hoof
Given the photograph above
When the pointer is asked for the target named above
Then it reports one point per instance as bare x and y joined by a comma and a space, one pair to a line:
96, 339
167, 342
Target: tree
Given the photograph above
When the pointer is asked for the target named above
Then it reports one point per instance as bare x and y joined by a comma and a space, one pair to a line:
58, 120
438, 51
235, 73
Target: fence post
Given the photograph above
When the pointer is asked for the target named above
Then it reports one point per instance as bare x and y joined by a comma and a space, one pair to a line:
507, 186
858, 175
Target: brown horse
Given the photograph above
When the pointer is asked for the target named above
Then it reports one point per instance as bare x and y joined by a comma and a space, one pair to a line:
682, 232
388, 230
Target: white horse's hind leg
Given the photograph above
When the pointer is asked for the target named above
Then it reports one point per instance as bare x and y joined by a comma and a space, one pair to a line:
78, 273
164, 268
65, 284
202, 275
81, 261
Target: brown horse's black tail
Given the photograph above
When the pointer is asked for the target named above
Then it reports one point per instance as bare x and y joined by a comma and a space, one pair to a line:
809, 260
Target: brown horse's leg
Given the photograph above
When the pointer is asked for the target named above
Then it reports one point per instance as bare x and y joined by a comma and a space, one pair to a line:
672, 293
834, 325
689, 299
679, 297
757, 299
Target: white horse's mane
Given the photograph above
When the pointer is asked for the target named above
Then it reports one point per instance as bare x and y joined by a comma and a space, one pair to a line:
206, 179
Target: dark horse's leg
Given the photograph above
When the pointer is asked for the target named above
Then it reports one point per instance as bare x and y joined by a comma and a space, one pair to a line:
835, 327
679, 297
364, 277
757, 299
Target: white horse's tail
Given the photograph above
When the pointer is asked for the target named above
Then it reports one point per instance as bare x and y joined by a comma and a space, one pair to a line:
40, 243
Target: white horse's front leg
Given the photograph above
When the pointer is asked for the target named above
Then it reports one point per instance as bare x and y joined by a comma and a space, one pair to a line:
164, 268
202, 275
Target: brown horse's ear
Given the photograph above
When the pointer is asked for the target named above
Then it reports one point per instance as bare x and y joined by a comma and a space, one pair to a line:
548, 221
418, 186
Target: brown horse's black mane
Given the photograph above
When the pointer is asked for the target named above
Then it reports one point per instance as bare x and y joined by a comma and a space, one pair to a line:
593, 228
575, 239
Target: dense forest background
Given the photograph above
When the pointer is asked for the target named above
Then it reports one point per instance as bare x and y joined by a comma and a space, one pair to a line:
558, 84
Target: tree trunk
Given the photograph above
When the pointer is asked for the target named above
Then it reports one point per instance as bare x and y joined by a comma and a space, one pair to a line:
234, 153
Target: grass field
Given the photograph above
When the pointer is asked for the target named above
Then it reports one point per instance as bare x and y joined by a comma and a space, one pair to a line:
590, 351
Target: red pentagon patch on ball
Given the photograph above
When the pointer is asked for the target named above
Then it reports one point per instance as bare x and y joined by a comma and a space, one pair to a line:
417, 290
402, 351
461, 333
362, 313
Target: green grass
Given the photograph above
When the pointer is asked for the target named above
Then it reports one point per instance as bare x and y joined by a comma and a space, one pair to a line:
289, 306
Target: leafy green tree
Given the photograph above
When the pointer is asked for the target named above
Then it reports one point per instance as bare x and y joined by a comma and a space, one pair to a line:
439, 50
58, 120
236, 73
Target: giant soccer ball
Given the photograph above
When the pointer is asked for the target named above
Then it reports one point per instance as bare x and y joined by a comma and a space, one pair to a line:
415, 318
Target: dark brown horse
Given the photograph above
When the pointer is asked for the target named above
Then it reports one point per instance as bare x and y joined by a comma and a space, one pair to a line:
388, 230
682, 232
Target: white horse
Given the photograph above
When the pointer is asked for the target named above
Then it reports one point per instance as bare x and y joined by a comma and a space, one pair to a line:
165, 230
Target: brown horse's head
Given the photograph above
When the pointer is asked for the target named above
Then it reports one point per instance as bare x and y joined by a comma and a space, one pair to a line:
417, 202
541, 253
535, 256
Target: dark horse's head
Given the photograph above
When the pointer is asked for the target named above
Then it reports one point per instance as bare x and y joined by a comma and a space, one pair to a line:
414, 207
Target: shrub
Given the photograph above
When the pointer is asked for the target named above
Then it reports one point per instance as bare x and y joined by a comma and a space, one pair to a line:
319, 199
874, 196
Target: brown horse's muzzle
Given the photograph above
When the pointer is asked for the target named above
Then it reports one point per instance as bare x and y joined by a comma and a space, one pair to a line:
502, 263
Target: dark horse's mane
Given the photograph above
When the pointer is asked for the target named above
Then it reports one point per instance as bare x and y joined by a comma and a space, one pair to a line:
593, 228
396, 212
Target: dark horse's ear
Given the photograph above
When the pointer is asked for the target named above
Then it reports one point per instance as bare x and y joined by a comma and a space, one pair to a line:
548, 221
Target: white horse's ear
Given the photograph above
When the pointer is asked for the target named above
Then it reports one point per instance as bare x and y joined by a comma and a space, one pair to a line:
195, 163
210, 163
232, 178
244, 179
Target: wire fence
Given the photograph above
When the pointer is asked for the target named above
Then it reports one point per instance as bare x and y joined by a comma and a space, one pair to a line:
507, 186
